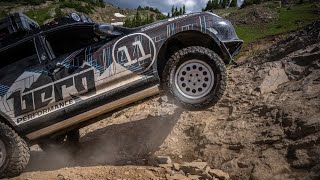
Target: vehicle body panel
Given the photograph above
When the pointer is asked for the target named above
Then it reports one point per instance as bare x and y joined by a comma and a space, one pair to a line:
65, 87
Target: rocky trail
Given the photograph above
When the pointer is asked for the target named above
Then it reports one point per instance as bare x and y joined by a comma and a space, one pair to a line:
267, 126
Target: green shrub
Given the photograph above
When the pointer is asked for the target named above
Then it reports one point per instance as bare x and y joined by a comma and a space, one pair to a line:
77, 6
58, 12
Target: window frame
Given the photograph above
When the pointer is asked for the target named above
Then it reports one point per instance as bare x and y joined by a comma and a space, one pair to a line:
52, 55
13, 46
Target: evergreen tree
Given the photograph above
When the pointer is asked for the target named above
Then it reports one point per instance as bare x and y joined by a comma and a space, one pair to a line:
207, 6
127, 22
146, 20
184, 9
172, 11
101, 3
215, 4
152, 18
180, 11
176, 11
249, 2
233, 3
139, 8
212, 4
138, 19
168, 15
256, 1
133, 22
224, 3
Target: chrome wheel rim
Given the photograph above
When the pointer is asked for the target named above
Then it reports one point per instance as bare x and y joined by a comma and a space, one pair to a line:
194, 79
3, 153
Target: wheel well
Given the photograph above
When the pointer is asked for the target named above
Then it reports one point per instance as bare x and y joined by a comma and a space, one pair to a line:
183, 40
3, 120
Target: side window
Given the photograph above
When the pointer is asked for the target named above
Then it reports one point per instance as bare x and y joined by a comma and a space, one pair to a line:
72, 39
21, 56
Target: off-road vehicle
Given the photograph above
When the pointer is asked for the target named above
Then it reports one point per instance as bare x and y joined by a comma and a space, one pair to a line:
57, 77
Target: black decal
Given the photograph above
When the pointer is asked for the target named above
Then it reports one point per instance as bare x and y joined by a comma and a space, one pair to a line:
61, 104
47, 91
30, 116
58, 88
17, 104
19, 120
51, 108
90, 82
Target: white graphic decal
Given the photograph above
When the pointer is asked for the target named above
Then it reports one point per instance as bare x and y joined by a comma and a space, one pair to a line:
130, 62
139, 56
23, 103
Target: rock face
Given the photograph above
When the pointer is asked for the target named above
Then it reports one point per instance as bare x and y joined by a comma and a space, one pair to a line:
268, 123
265, 127
218, 174
194, 167
273, 77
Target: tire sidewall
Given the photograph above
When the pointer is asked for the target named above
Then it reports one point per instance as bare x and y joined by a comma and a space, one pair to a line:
214, 62
10, 147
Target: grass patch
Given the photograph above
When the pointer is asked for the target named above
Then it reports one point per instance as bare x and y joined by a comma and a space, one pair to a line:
290, 19
223, 12
87, 9
39, 15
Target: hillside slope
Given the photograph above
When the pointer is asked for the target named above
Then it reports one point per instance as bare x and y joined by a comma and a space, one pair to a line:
265, 127
262, 25
47, 11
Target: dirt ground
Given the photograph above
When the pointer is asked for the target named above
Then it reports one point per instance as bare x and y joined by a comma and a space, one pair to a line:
267, 126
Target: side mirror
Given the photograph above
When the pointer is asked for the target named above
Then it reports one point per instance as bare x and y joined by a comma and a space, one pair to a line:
104, 30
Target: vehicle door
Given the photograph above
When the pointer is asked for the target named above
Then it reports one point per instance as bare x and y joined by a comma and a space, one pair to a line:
25, 85
89, 71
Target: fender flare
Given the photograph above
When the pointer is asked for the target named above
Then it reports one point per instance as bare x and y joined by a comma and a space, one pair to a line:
224, 50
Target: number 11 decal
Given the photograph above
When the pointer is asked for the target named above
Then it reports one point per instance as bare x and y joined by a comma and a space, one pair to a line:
132, 51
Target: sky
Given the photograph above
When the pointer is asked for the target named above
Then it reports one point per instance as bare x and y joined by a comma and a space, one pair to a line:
163, 5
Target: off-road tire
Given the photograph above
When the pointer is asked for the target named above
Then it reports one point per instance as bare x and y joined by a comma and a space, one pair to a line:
199, 54
17, 150
68, 141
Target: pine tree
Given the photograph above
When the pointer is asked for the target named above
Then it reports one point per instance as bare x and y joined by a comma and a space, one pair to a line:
207, 6
152, 18
139, 8
212, 3
101, 3
184, 9
223, 3
168, 16
176, 11
256, 1
172, 11
138, 19
233, 3
128, 23
215, 4
180, 11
